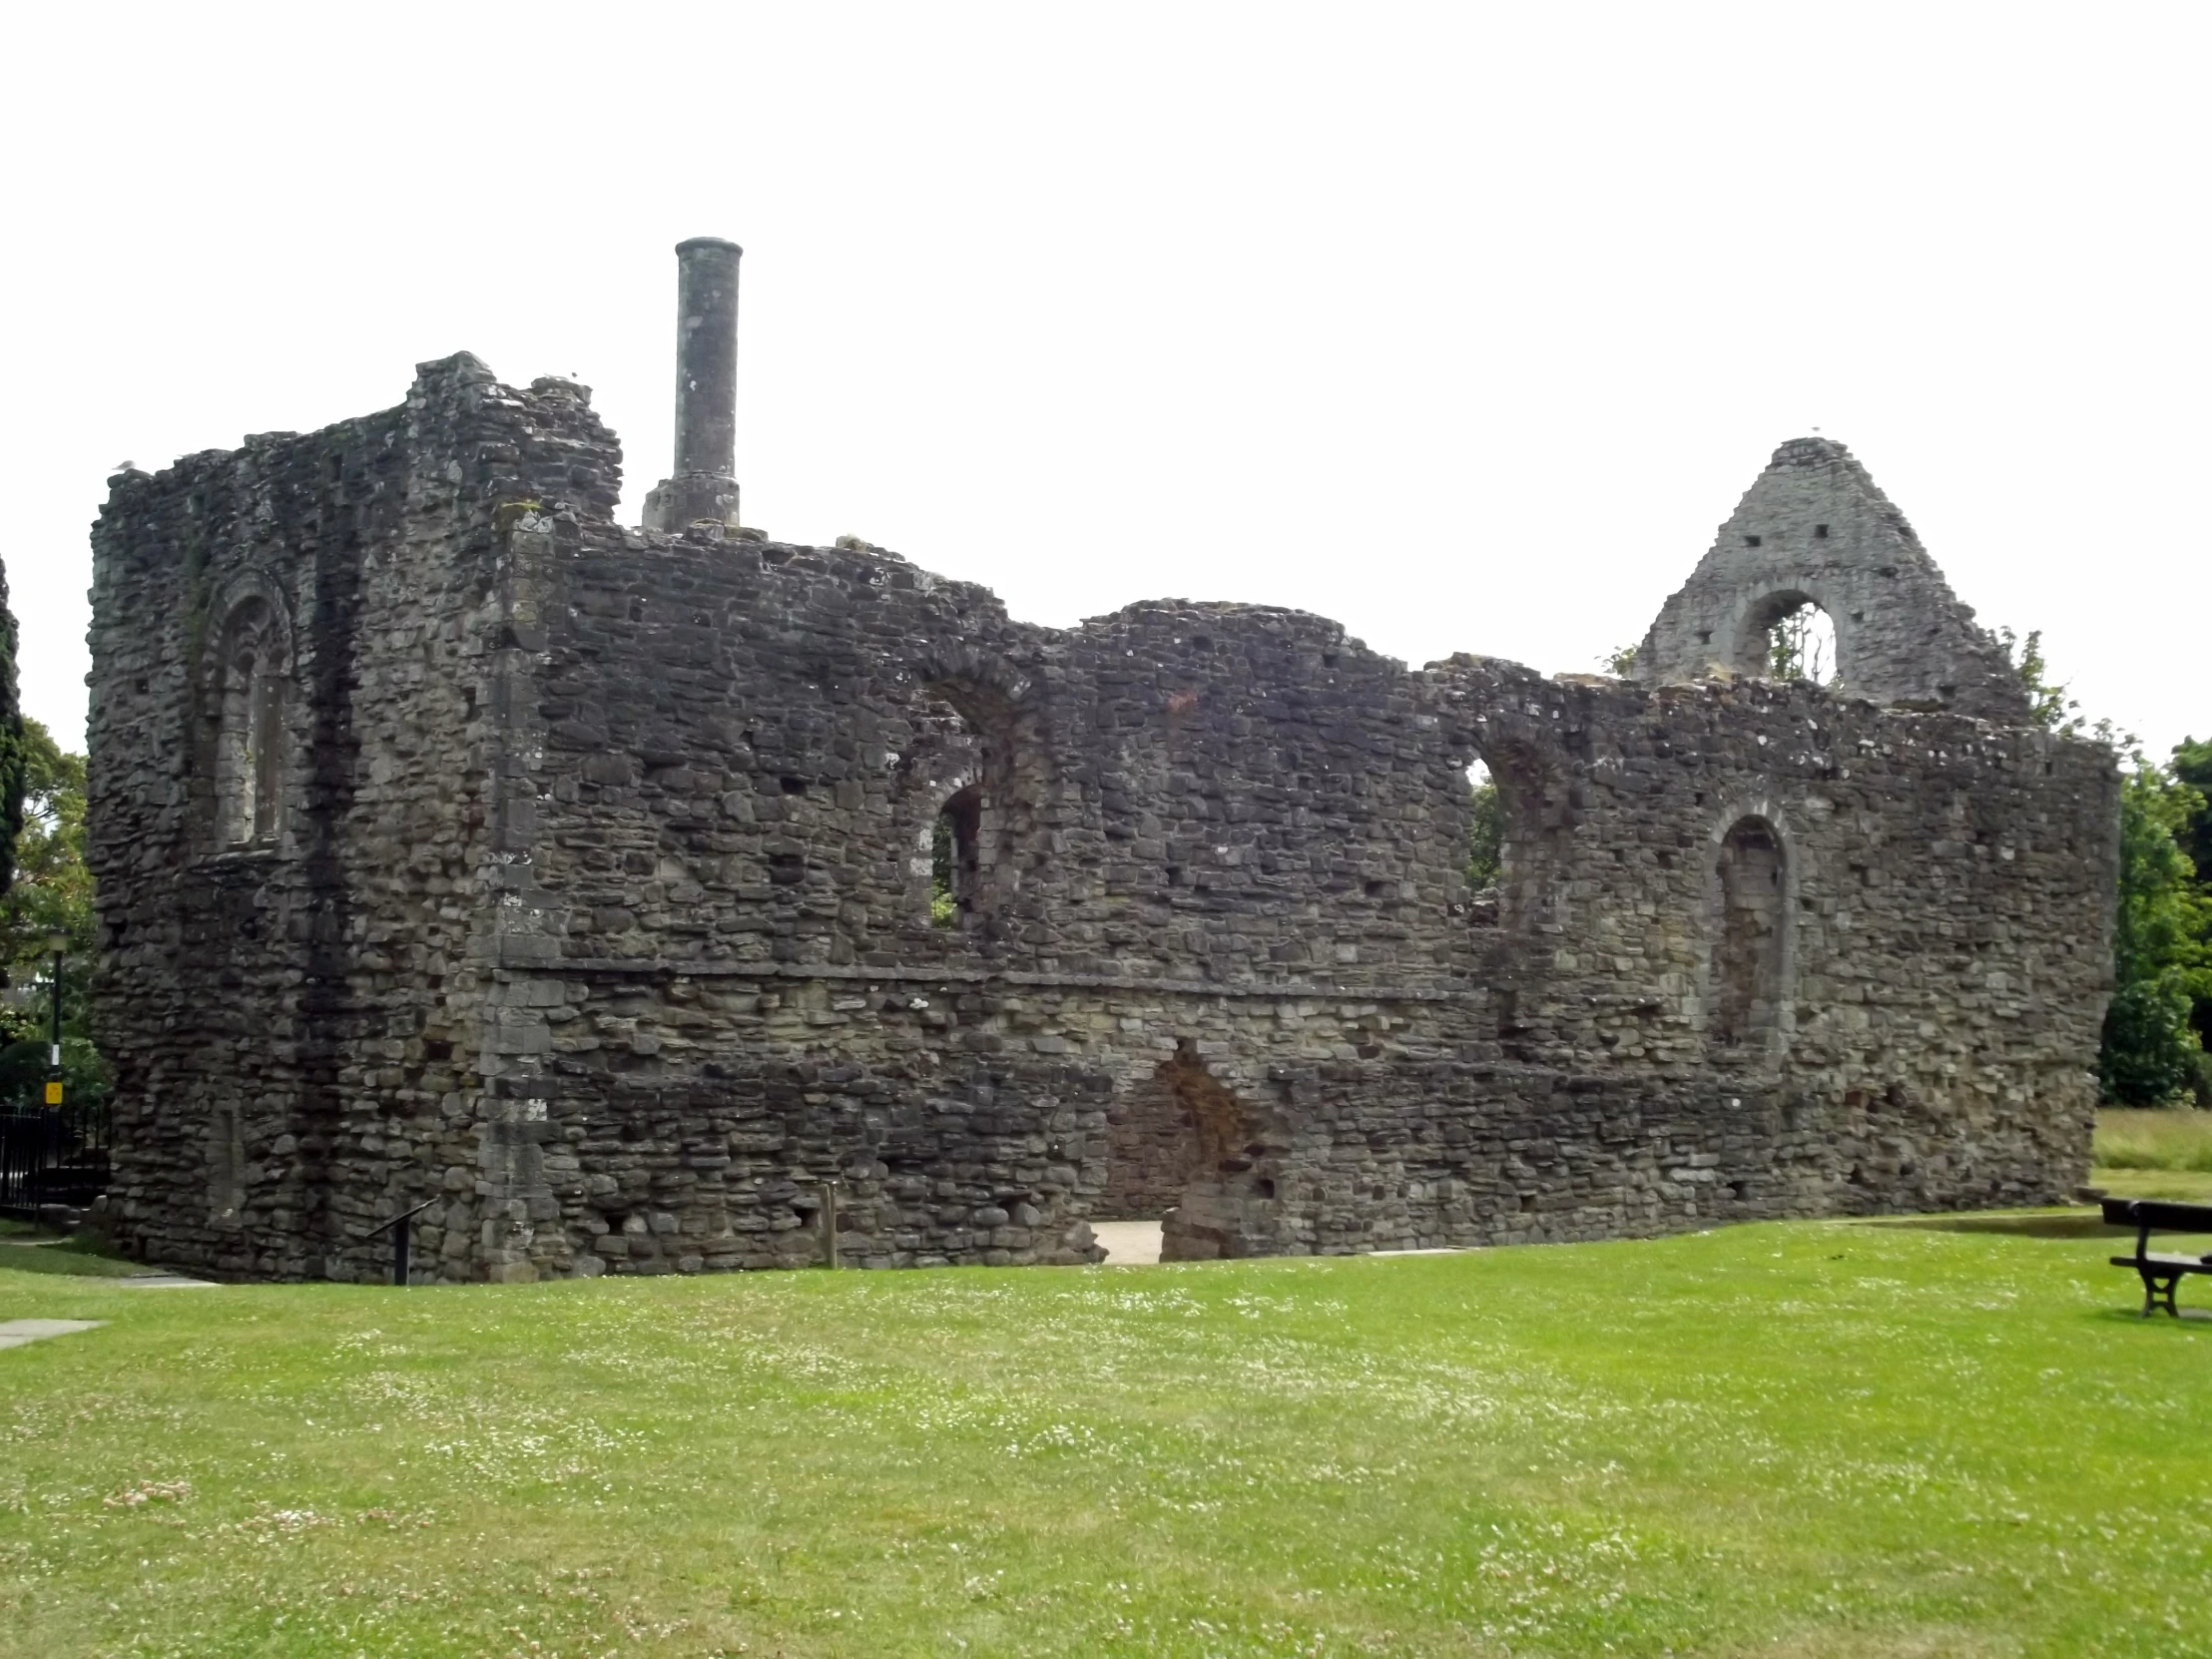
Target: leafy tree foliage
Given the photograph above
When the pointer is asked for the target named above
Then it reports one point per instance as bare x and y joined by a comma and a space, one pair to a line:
2152, 1051
2161, 944
11, 742
943, 909
1801, 646
1486, 837
2192, 765
2047, 705
51, 897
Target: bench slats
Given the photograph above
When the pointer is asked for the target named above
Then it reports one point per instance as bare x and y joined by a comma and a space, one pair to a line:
2179, 1264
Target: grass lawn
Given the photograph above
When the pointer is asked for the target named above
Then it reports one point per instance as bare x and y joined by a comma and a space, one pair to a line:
2155, 1154
1797, 1439
37, 1252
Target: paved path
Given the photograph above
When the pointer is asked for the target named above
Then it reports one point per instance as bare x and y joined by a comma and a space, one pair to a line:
1129, 1243
15, 1333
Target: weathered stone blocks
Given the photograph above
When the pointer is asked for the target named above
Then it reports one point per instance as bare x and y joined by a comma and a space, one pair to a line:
594, 898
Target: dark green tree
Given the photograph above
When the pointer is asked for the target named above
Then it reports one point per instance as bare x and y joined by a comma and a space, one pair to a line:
11, 741
2047, 705
2192, 765
2161, 944
1487, 836
51, 897
943, 911
2152, 1050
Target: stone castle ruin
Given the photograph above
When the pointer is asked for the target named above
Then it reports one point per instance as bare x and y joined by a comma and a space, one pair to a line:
675, 898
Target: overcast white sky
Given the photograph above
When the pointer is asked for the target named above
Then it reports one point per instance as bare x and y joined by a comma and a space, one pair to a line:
1465, 324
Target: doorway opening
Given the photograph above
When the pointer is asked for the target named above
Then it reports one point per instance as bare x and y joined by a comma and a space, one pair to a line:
1184, 1155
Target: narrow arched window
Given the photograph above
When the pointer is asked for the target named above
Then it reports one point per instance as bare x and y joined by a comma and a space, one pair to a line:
1485, 830
251, 671
955, 857
1749, 914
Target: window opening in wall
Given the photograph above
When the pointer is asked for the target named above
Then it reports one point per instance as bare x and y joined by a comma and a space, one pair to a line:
1486, 834
1801, 645
250, 726
1745, 1000
955, 858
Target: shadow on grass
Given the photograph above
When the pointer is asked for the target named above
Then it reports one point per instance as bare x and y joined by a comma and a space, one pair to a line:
79, 1255
2036, 1224
2197, 1319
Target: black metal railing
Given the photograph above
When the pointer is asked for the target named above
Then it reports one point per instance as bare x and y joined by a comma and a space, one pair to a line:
52, 1155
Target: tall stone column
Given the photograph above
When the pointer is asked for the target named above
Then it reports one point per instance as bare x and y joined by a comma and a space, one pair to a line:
704, 484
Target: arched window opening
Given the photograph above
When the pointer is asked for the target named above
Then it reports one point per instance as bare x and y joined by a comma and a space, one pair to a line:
1801, 646
249, 727
1750, 912
977, 768
1788, 636
955, 857
1513, 821
1485, 831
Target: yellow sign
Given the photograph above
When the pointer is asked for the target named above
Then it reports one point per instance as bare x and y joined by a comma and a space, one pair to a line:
54, 1092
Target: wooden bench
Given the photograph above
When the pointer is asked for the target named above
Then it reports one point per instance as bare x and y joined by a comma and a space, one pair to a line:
2160, 1273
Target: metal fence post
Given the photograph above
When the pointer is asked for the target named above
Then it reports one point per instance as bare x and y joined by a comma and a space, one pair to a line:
400, 1240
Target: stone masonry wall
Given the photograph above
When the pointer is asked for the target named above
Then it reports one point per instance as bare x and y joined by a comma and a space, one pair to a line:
601, 916
293, 1016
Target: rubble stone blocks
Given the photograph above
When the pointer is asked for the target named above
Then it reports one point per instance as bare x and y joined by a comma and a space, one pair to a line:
455, 841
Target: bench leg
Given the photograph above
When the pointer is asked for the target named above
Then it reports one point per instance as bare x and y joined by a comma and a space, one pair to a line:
2159, 1286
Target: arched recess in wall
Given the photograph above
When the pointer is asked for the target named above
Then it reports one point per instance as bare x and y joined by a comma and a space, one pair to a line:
973, 784
945, 886
1747, 1001
1510, 826
1183, 1147
1789, 635
246, 713
226, 1164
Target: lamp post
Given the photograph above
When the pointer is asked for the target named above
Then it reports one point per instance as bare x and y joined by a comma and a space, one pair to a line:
57, 943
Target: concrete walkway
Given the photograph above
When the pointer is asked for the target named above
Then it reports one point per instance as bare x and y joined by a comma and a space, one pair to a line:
15, 1333
1129, 1244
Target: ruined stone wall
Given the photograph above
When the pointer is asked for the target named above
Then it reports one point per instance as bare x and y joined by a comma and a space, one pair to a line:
744, 749
295, 1013
1225, 922
601, 915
